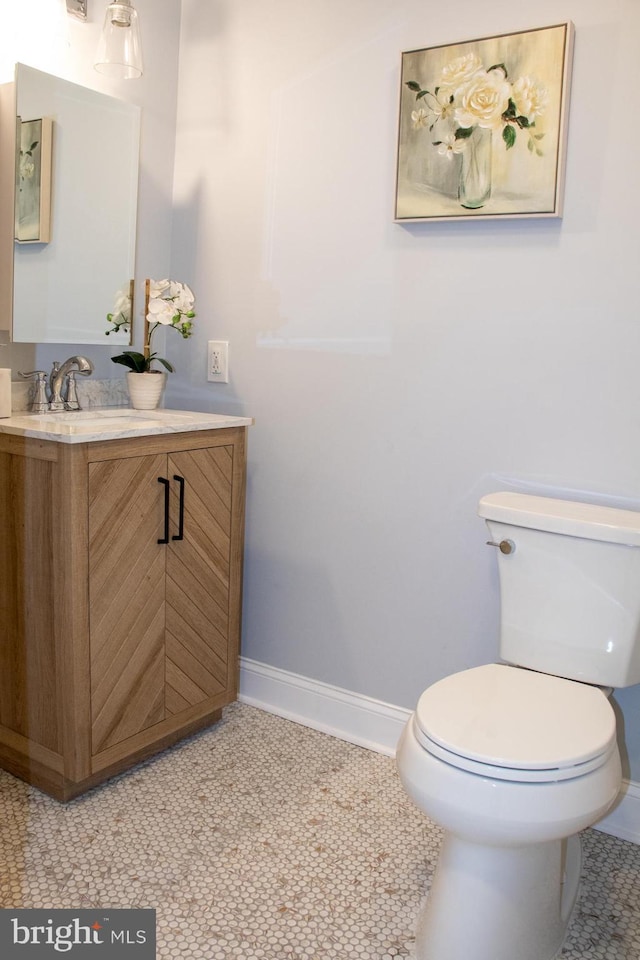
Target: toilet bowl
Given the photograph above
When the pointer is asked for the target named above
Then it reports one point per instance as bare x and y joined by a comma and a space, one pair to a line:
511, 763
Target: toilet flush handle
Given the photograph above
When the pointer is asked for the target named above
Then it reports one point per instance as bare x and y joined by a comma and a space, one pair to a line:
504, 546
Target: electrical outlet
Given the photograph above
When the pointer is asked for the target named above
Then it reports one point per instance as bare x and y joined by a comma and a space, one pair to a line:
218, 361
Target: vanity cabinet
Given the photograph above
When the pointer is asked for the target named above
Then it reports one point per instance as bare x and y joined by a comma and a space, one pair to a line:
120, 599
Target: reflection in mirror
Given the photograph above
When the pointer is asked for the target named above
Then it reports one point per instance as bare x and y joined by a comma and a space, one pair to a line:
33, 180
65, 286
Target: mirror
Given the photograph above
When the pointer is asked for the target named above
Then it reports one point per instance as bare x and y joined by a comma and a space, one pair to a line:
77, 175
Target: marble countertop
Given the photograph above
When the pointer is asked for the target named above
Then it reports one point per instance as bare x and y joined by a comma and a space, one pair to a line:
113, 423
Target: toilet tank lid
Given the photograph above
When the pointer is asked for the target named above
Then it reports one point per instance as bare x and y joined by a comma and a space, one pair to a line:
587, 520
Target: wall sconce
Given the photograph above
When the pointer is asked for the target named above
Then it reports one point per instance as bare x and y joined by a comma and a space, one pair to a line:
77, 8
120, 50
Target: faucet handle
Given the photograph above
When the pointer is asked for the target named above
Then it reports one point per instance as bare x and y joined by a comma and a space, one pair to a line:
71, 403
39, 403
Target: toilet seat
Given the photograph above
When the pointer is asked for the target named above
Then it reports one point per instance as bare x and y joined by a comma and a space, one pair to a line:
509, 723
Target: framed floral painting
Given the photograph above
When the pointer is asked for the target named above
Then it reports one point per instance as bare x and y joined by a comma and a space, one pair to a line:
483, 125
33, 180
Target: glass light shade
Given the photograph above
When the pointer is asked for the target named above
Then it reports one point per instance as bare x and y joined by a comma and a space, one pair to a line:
120, 50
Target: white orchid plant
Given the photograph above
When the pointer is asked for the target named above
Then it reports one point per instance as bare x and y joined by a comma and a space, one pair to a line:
468, 96
121, 316
168, 304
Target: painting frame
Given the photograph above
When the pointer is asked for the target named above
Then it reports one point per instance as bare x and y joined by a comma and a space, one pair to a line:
34, 153
482, 127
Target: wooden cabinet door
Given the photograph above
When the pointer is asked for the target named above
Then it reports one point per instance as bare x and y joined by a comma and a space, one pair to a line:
198, 575
126, 596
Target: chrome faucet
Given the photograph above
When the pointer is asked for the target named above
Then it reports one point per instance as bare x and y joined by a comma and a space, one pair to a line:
83, 367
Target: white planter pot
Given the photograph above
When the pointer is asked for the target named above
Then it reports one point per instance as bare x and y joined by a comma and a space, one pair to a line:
146, 389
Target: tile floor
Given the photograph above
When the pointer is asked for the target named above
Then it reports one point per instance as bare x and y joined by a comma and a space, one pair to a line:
264, 840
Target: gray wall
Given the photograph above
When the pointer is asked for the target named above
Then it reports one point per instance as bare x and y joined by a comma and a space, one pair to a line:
397, 373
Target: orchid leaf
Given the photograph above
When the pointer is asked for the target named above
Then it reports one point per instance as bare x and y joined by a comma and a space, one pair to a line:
136, 362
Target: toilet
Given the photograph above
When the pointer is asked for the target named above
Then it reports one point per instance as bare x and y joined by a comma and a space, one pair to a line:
513, 759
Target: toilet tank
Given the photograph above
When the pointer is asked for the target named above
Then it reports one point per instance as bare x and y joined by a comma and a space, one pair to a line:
570, 587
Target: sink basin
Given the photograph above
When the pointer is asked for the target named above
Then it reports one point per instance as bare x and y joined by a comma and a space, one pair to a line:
85, 418
114, 413
90, 421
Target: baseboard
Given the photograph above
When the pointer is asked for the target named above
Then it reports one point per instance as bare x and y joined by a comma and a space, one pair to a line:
375, 725
349, 716
624, 819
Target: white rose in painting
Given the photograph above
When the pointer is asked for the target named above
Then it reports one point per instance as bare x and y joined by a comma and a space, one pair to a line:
460, 70
530, 98
483, 100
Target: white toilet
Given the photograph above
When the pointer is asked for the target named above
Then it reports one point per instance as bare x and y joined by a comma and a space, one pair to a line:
512, 761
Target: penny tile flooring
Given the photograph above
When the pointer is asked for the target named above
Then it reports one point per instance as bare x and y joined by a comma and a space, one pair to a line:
264, 840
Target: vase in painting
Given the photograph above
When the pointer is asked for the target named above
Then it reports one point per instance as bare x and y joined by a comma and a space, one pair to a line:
474, 188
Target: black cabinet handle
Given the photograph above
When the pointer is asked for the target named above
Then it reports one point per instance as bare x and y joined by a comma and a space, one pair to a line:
164, 480
180, 533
